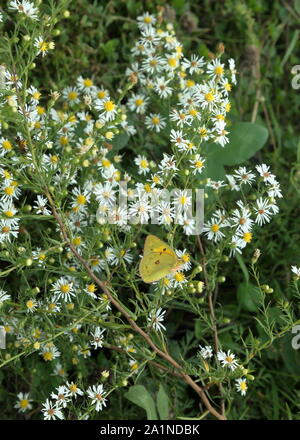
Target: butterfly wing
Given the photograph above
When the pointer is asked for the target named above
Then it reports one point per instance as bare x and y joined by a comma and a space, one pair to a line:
155, 266
155, 244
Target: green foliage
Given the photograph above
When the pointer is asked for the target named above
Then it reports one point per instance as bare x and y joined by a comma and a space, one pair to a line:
94, 40
245, 139
139, 395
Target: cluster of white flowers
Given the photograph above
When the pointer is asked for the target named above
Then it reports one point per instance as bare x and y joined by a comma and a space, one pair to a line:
24, 7
203, 87
296, 271
236, 226
227, 360
74, 137
61, 398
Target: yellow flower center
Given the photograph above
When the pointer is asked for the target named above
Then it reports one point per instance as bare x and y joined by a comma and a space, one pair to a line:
36, 95
101, 94
219, 70
88, 82
73, 388
40, 110
215, 227
72, 95
185, 258
64, 140
81, 199
190, 83
6, 174
7, 145
94, 261
179, 276
228, 107
43, 46
166, 282
65, 288
227, 86
139, 102
193, 112
243, 386
247, 237
106, 163
48, 356
24, 403
77, 241
9, 213
173, 62
30, 304
209, 97
109, 106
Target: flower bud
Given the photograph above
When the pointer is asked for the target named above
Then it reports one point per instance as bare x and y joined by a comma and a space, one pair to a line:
256, 256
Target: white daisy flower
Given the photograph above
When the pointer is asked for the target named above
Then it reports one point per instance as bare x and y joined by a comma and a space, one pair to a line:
206, 352
156, 319
227, 359
97, 395
241, 386
23, 403
262, 210
52, 411
62, 396
98, 338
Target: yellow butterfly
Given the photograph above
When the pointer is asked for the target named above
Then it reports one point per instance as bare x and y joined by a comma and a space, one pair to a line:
158, 260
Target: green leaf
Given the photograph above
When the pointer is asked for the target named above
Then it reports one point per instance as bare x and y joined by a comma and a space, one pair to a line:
214, 168
138, 395
120, 141
297, 6
291, 47
275, 401
179, 5
109, 48
249, 297
199, 328
245, 139
243, 267
162, 402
